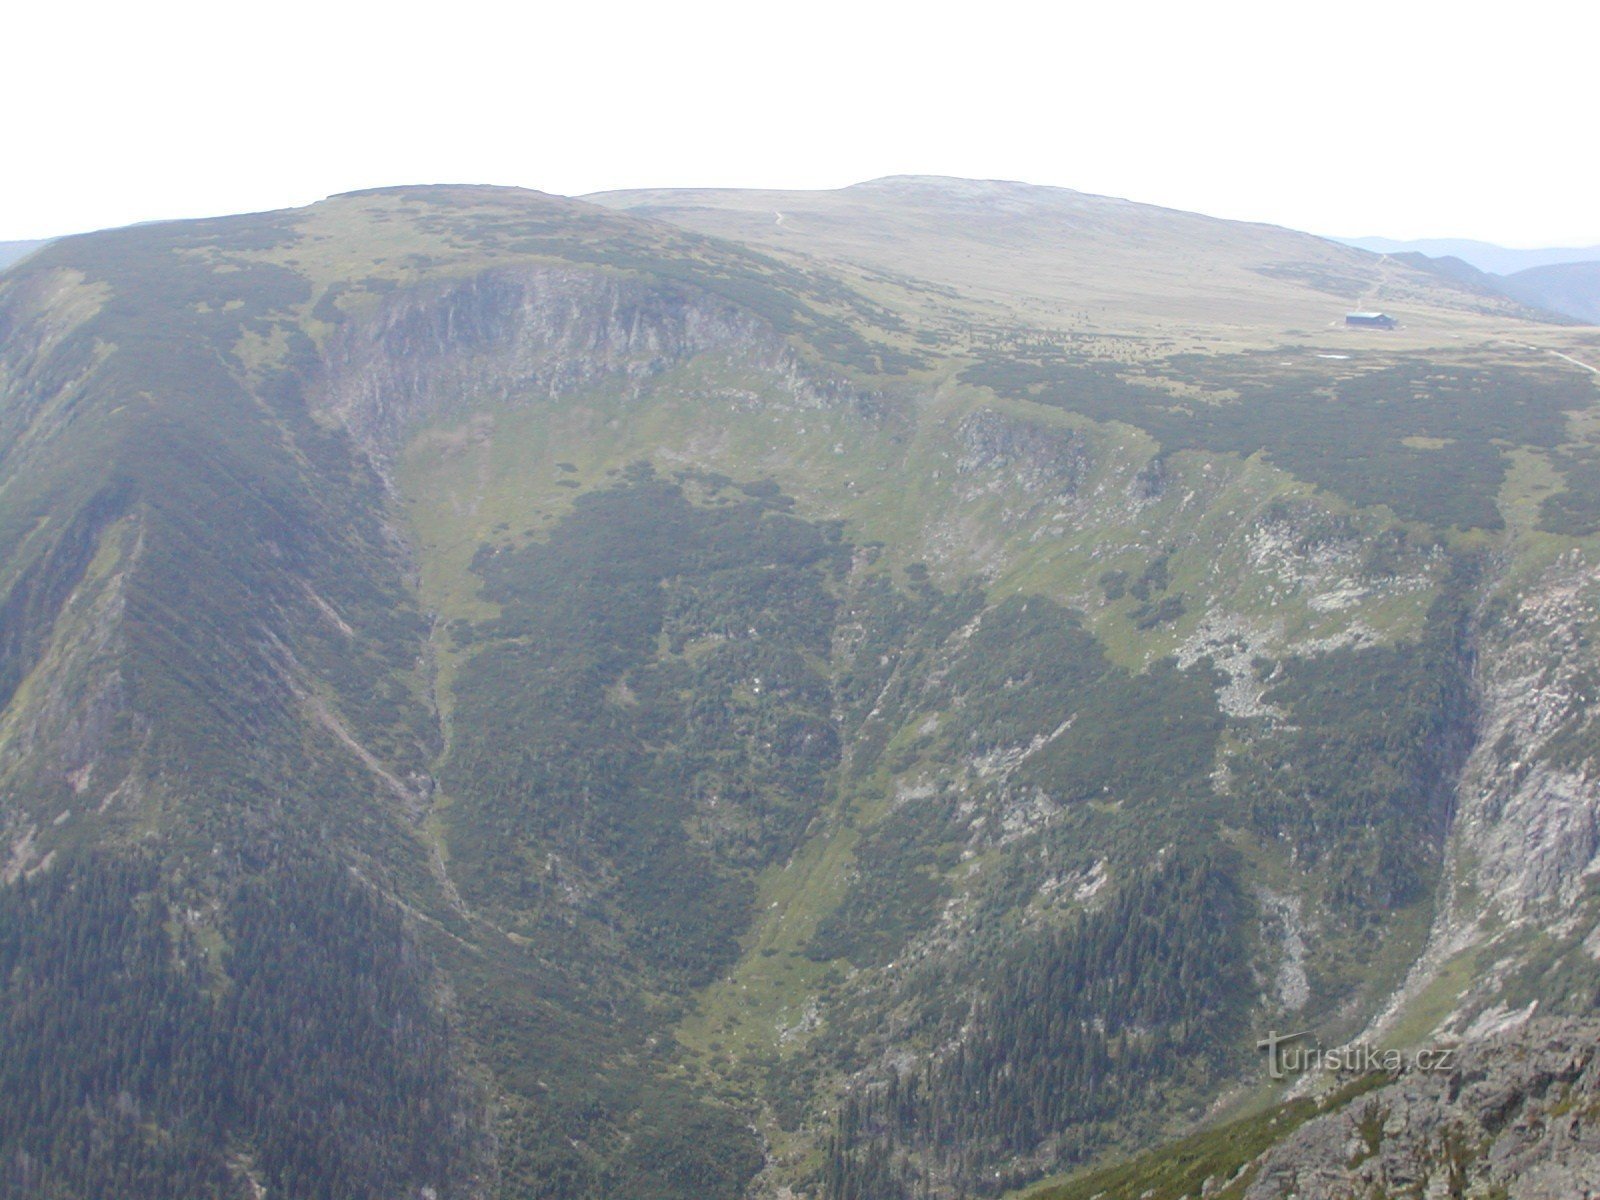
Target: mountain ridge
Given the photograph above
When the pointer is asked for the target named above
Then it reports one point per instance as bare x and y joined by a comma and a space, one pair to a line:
1570, 288
1486, 256
925, 228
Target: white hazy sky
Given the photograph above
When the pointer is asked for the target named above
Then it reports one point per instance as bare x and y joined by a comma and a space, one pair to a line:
1463, 119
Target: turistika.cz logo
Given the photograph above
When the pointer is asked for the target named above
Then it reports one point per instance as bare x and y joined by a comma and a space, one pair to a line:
1289, 1054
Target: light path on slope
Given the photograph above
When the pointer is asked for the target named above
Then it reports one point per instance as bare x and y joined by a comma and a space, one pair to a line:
1577, 362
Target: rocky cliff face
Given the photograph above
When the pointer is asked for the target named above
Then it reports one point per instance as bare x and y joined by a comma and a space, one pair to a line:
1517, 893
1529, 816
431, 352
1515, 1115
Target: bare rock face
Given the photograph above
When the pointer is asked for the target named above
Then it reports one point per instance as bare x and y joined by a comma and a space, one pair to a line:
1530, 802
529, 334
1037, 458
1518, 1115
1525, 836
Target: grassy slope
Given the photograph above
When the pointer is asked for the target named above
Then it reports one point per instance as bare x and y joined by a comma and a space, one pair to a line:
1076, 263
1219, 1158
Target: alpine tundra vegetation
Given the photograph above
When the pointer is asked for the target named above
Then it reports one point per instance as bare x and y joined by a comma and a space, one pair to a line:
855, 695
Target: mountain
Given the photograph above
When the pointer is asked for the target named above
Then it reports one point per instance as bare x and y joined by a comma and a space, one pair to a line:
1557, 289
1570, 288
1455, 269
1486, 256
1035, 254
10, 252
507, 695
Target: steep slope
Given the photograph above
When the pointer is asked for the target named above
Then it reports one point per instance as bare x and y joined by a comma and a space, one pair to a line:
212, 644
653, 714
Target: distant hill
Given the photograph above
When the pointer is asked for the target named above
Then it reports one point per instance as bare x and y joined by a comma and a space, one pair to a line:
1570, 288
1498, 260
1091, 261
1450, 267
11, 252
1564, 282
1568, 296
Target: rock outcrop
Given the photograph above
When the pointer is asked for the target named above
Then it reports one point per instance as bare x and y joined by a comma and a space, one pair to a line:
1516, 1115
